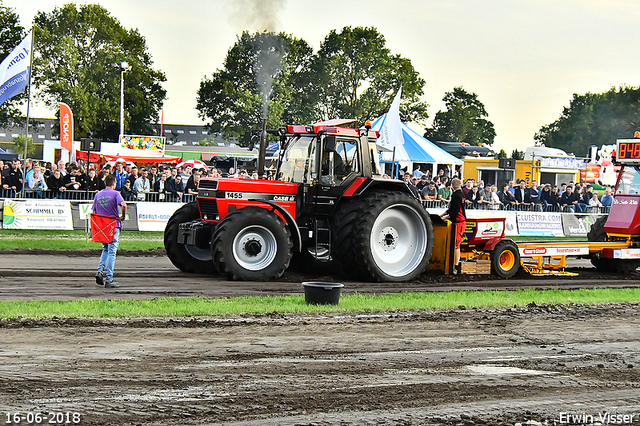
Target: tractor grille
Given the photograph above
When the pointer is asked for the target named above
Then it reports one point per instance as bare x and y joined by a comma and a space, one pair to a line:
208, 184
208, 208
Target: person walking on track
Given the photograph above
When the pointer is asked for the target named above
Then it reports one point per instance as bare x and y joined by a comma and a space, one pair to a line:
106, 203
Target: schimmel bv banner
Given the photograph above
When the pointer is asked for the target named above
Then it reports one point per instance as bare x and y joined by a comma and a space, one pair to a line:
36, 214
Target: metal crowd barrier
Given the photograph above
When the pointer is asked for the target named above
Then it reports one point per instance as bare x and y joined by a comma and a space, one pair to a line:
155, 197
88, 196
428, 204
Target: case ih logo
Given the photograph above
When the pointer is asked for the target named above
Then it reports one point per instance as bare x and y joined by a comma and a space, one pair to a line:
534, 251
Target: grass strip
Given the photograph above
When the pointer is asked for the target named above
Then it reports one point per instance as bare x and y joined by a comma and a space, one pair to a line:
30, 239
352, 303
75, 240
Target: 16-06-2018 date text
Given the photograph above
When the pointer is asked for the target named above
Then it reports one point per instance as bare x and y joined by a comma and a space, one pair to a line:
42, 418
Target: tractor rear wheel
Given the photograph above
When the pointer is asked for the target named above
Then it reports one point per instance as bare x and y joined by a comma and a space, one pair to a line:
505, 259
252, 244
187, 258
383, 237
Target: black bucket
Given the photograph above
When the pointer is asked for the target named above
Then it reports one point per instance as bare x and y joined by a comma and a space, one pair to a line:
321, 293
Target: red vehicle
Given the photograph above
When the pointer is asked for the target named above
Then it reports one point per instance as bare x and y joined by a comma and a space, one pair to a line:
329, 203
622, 225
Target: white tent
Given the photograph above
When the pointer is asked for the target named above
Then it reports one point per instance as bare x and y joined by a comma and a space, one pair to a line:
416, 149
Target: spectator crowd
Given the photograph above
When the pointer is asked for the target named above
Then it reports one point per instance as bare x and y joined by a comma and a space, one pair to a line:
81, 180
568, 198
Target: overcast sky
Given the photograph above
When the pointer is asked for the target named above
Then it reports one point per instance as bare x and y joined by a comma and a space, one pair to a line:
524, 58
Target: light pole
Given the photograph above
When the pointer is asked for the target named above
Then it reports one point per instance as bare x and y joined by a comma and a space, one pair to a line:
124, 67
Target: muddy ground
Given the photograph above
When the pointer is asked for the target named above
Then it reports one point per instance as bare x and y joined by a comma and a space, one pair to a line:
463, 367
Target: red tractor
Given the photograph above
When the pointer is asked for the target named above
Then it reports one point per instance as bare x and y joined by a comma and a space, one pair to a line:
328, 203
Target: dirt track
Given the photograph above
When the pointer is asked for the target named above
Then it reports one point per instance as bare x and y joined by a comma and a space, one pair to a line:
460, 367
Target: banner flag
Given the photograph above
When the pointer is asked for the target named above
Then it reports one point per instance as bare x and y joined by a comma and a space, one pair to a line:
66, 127
14, 75
391, 131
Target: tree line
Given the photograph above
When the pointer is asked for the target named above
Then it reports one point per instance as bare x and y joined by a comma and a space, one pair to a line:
272, 76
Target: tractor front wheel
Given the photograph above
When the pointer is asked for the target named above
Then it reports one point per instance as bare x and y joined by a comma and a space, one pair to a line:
252, 244
187, 258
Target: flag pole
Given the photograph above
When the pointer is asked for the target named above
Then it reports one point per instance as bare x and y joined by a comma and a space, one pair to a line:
26, 126
393, 164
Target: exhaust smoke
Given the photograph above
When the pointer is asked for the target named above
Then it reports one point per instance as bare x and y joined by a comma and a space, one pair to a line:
262, 16
270, 48
258, 15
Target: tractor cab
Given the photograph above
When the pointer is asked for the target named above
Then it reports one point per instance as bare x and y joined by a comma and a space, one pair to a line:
326, 153
325, 159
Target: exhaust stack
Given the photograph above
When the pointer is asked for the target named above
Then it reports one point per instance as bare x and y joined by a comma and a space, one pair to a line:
262, 151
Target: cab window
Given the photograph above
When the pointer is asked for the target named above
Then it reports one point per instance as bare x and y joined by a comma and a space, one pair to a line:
336, 166
298, 162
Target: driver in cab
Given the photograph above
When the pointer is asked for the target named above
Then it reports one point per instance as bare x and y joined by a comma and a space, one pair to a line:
332, 165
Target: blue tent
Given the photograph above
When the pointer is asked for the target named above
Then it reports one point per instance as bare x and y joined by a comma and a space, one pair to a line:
416, 149
5, 156
410, 151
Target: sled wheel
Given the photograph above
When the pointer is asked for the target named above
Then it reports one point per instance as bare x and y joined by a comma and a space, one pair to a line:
252, 244
624, 266
505, 259
187, 258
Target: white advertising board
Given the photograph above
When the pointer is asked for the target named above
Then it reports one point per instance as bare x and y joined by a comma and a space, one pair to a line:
540, 224
36, 214
626, 254
154, 216
510, 222
554, 251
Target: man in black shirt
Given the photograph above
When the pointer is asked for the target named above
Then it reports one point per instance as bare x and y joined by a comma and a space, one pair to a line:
56, 185
570, 199
411, 185
192, 184
12, 177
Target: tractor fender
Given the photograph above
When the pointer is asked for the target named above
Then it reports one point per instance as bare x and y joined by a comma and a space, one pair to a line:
493, 242
290, 221
360, 185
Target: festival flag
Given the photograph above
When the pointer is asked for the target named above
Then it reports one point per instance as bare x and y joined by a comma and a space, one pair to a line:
14, 75
66, 127
391, 131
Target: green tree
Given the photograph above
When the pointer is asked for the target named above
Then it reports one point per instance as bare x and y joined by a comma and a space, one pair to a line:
464, 120
594, 119
352, 76
174, 136
11, 33
517, 155
356, 76
501, 154
18, 146
232, 100
78, 56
